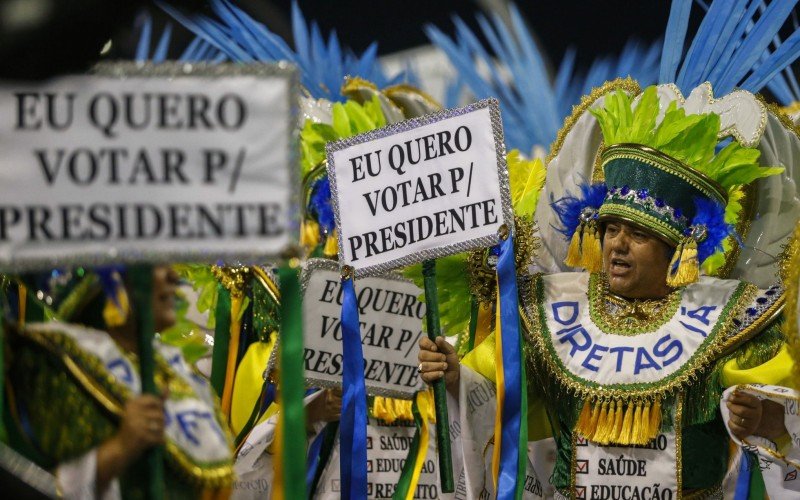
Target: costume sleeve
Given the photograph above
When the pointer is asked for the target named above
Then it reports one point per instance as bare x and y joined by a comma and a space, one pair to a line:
779, 461
62, 420
762, 360
77, 478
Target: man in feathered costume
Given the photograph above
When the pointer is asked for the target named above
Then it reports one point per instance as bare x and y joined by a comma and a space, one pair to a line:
629, 359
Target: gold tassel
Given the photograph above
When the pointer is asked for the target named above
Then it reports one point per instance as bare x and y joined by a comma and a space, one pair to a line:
309, 234
574, 252
591, 251
115, 315
626, 429
618, 413
331, 245
595, 419
584, 426
605, 424
643, 429
655, 420
688, 268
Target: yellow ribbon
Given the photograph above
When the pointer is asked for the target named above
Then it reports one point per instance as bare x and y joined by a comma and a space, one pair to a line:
425, 407
501, 394
233, 351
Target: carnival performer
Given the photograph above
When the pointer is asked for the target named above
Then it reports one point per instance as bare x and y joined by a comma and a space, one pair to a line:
77, 394
628, 358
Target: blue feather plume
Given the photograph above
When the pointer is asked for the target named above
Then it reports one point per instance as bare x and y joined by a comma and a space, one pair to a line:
569, 208
533, 104
737, 45
319, 205
235, 36
711, 215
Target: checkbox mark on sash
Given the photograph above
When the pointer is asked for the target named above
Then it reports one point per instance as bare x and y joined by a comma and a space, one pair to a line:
580, 492
581, 466
581, 441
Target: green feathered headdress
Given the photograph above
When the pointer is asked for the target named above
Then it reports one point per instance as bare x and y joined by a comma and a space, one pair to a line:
348, 119
670, 175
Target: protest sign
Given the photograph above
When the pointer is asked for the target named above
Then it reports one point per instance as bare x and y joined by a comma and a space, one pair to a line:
149, 163
420, 189
391, 326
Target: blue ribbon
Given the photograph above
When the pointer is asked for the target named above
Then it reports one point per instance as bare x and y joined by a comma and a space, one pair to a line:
353, 429
742, 491
312, 463
510, 457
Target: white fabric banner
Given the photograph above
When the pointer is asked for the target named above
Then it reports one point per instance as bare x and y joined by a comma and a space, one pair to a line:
391, 325
161, 162
420, 189
606, 358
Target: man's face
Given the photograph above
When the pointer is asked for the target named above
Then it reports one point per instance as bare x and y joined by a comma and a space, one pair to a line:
165, 285
635, 261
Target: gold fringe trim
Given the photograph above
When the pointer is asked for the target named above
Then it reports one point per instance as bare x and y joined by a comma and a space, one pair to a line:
332, 245
390, 410
608, 422
591, 252
309, 234
574, 252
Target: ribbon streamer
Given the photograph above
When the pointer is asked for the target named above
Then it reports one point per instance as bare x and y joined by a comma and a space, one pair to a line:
412, 468
353, 428
141, 277
293, 413
509, 457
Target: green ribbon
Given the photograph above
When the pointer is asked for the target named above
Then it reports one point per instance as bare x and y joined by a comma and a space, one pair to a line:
404, 483
222, 338
292, 384
141, 278
439, 390
473, 323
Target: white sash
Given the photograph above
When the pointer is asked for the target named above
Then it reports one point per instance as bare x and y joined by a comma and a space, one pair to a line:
596, 357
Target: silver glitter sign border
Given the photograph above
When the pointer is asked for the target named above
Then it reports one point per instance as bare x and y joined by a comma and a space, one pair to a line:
311, 266
114, 254
404, 126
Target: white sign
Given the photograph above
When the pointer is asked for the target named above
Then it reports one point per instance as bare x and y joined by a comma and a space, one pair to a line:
391, 326
420, 189
148, 163
649, 471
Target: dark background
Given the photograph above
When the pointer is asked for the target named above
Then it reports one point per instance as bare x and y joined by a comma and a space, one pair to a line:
67, 34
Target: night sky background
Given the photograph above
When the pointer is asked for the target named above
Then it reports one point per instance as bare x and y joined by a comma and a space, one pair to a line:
68, 37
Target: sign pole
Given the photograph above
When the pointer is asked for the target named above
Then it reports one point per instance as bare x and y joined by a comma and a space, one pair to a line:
439, 390
141, 277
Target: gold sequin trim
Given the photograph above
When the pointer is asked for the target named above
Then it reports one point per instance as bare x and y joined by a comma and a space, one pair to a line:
232, 278
619, 316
